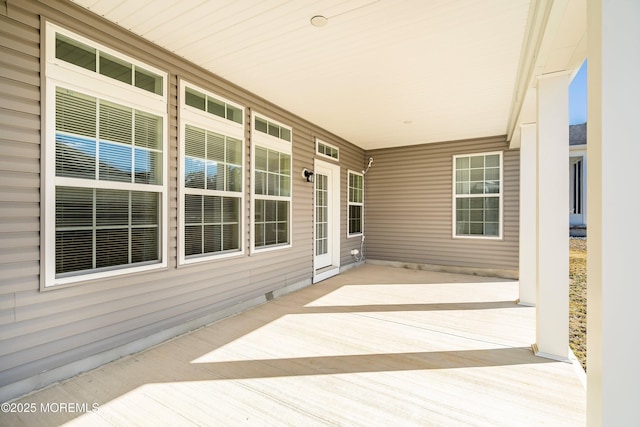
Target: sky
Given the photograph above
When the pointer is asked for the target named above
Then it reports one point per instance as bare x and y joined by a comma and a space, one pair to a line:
578, 97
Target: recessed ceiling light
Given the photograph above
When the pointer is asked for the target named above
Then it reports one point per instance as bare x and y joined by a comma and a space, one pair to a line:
319, 21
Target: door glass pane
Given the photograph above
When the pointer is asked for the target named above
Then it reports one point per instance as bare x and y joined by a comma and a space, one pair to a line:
322, 214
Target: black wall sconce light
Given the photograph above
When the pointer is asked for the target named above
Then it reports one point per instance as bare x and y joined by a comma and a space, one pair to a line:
307, 175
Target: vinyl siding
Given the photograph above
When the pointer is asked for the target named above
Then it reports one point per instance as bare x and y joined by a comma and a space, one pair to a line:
44, 330
408, 216
355, 158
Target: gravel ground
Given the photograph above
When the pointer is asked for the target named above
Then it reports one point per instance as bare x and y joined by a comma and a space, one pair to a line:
578, 299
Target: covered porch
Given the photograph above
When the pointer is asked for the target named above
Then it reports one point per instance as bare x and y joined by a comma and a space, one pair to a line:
376, 345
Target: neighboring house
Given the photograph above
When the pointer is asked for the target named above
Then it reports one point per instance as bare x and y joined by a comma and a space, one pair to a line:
578, 180
144, 196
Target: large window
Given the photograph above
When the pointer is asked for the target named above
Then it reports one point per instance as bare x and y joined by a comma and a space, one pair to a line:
355, 205
104, 155
271, 184
212, 176
478, 195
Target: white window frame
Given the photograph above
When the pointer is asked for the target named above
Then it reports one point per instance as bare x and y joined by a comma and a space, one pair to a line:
350, 203
211, 122
263, 140
581, 151
499, 195
58, 73
323, 155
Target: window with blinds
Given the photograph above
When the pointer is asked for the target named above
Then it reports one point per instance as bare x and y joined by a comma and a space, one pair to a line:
101, 141
478, 195
212, 157
355, 205
271, 185
272, 197
213, 186
105, 156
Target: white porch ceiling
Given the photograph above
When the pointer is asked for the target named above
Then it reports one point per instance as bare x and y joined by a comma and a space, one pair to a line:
381, 73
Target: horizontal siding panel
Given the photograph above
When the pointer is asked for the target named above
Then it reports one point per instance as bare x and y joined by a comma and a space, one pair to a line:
103, 319
21, 75
17, 134
18, 254
14, 194
15, 42
13, 90
11, 163
23, 13
7, 302
18, 275
19, 32
409, 204
14, 117
18, 283
183, 281
18, 61
19, 240
16, 210
6, 316
44, 330
19, 149
20, 105
87, 313
446, 248
19, 225
19, 179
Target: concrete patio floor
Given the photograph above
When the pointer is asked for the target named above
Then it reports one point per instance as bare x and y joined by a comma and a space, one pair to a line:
374, 346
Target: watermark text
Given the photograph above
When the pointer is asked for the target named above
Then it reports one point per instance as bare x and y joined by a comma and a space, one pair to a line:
49, 407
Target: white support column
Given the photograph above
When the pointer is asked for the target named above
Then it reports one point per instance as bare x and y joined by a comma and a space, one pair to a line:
528, 222
613, 266
552, 300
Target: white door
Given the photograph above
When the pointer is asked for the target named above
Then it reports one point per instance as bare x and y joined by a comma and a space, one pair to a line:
327, 215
